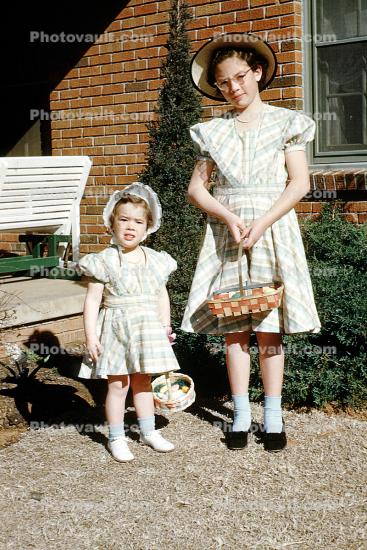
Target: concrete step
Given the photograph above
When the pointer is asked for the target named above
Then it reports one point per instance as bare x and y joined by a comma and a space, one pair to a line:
24, 300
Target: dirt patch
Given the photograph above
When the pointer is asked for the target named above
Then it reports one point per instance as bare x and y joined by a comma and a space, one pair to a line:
46, 399
11, 435
334, 409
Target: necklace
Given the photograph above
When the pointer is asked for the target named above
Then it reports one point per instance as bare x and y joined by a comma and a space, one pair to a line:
251, 119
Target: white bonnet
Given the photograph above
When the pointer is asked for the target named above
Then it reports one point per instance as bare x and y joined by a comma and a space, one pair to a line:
137, 189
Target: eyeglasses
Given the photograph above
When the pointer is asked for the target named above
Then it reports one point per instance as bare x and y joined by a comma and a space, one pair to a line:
240, 79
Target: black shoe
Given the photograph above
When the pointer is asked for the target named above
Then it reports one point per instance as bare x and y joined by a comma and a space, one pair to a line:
273, 441
236, 440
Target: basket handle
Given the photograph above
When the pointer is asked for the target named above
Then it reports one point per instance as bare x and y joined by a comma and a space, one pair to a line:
240, 251
169, 387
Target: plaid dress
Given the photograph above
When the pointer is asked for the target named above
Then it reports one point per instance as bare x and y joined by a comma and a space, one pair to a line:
250, 176
128, 326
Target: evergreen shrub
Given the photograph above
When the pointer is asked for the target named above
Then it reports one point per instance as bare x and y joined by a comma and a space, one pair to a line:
171, 159
330, 366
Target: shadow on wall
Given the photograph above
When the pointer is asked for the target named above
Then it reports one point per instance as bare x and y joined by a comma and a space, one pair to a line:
42, 46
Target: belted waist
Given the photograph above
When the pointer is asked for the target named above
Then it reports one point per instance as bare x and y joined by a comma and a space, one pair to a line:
121, 301
275, 188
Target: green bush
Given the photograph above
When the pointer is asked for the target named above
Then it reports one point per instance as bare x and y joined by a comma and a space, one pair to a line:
330, 366
202, 357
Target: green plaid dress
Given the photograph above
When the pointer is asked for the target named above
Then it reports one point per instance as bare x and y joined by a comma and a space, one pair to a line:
128, 326
250, 176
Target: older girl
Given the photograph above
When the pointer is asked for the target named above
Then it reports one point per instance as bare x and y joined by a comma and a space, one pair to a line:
254, 149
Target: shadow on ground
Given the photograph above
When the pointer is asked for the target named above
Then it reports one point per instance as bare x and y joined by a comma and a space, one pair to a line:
55, 396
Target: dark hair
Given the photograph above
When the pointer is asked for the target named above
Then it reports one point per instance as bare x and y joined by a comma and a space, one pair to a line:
134, 200
252, 58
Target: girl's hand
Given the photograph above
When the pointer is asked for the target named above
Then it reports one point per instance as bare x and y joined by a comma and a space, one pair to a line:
94, 348
253, 233
170, 335
236, 227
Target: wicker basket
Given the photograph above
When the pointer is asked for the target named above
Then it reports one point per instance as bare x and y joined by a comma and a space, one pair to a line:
166, 399
249, 298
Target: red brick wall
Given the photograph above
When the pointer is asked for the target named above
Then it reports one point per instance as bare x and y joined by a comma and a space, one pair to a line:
344, 185
118, 80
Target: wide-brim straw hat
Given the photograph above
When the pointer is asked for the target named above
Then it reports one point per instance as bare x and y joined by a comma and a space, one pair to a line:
201, 61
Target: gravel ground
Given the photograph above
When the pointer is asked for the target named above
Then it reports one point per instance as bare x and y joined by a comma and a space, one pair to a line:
61, 489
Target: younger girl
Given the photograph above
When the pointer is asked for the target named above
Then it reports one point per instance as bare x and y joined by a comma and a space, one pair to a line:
130, 338
254, 149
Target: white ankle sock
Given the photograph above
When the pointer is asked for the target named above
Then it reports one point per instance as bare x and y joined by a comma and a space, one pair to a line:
273, 414
115, 431
242, 413
146, 425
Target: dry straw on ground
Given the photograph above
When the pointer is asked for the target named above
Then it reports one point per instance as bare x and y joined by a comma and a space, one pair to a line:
62, 490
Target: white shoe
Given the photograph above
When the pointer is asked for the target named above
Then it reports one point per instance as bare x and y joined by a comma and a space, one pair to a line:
157, 442
119, 449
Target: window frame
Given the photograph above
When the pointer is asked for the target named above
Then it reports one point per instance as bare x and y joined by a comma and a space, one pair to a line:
332, 159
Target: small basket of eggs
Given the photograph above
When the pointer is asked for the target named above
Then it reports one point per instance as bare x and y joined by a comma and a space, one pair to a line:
172, 392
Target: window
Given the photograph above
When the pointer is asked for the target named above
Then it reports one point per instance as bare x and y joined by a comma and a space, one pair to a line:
338, 78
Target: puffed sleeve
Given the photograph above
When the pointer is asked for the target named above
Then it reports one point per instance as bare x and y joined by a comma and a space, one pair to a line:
169, 264
93, 266
199, 144
299, 131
